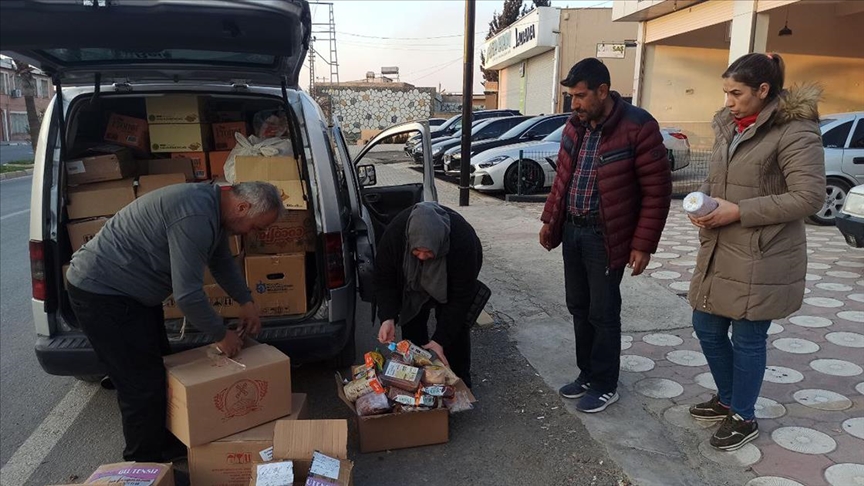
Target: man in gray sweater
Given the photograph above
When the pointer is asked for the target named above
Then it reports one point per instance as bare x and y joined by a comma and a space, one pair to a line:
154, 247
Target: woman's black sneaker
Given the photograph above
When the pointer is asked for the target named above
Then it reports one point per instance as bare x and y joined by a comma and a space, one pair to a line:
710, 411
734, 432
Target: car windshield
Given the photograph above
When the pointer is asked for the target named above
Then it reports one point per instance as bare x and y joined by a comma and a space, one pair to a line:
474, 124
480, 125
450, 122
519, 129
555, 136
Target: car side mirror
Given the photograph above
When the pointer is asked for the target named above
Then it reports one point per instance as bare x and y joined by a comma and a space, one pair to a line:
366, 175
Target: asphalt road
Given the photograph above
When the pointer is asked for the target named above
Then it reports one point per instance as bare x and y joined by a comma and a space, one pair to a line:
12, 153
57, 429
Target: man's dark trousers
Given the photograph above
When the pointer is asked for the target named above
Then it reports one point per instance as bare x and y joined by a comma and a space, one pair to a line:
130, 340
594, 300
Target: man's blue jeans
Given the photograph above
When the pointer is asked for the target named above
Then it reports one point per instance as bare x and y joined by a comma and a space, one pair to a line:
737, 366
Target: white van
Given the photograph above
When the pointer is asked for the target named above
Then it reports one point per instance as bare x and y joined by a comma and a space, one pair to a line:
244, 57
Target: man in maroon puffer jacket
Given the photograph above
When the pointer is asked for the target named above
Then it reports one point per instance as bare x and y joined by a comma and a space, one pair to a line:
608, 206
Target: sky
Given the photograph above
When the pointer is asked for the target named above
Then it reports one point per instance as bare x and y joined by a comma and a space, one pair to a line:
425, 39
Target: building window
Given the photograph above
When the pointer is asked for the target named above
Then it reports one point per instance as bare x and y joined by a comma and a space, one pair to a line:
43, 88
5, 83
18, 124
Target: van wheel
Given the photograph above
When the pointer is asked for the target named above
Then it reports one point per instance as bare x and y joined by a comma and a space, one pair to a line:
346, 357
835, 195
90, 378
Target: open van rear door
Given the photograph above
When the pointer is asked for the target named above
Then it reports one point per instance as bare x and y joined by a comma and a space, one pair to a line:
261, 42
384, 192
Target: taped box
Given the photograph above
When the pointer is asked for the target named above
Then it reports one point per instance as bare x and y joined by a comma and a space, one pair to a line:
211, 396
298, 441
176, 109
293, 232
127, 131
100, 198
104, 163
200, 168
150, 183
133, 473
82, 231
180, 138
282, 172
228, 461
278, 283
171, 166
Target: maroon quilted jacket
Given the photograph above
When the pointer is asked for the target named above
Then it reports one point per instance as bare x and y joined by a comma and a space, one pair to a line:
633, 176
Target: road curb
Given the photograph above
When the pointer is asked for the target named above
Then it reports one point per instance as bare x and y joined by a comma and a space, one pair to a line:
16, 174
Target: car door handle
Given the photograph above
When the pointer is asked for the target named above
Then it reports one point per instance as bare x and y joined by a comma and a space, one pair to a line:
372, 198
858, 160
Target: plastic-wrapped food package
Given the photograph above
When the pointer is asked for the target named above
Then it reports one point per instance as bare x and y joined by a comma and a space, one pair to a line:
698, 204
270, 123
438, 391
362, 386
459, 403
372, 404
434, 375
412, 353
401, 375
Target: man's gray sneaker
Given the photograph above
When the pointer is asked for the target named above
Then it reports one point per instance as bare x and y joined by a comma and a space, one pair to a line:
576, 389
594, 401
710, 411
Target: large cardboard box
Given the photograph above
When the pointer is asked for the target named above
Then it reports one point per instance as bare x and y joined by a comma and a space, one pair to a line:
401, 430
172, 166
222, 303
211, 396
133, 473
99, 198
180, 138
127, 131
223, 134
239, 260
107, 163
199, 163
149, 183
176, 109
282, 172
81, 232
293, 232
228, 461
278, 283
298, 440
216, 162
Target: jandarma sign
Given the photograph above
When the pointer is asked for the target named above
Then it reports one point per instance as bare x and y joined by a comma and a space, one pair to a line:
529, 36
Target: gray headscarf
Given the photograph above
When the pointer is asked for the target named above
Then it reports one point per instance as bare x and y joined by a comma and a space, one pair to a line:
428, 227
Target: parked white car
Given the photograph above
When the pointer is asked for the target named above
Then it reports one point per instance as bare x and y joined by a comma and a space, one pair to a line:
843, 139
498, 169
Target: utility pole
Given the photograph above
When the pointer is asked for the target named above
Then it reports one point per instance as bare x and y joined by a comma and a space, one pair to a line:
467, 100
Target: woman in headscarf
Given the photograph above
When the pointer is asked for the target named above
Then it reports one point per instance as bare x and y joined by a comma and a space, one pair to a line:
429, 257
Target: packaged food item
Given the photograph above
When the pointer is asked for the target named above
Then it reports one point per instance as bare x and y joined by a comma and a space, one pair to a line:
401, 397
374, 360
359, 371
423, 400
459, 403
402, 376
412, 353
372, 404
362, 386
270, 123
438, 391
434, 375
698, 204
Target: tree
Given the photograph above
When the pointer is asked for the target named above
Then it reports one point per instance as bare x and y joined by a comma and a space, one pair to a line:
510, 14
24, 72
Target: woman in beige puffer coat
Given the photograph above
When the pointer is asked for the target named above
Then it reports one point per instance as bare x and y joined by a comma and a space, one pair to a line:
767, 172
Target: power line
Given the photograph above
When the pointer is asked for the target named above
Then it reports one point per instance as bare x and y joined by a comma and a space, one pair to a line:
407, 38
438, 70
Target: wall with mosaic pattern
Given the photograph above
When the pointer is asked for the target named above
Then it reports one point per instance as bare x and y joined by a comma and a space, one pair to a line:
359, 108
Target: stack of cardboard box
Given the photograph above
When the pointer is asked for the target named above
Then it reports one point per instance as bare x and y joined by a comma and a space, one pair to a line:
276, 256
179, 126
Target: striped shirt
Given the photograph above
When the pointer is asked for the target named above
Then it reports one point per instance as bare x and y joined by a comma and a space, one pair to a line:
583, 196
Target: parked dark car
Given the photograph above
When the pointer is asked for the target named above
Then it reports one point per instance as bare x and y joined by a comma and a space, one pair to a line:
485, 130
536, 128
454, 124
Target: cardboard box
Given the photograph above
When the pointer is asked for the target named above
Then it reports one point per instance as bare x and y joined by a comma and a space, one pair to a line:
99, 198
293, 232
223, 134
222, 303
239, 260
278, 283
81, 232
172, 166
180, 138
297, 441
216, 163
127, 131
211, 397
199, 163
133, 473
228, 461
283, 172
107, 163
176, 109
402, 430
149, 183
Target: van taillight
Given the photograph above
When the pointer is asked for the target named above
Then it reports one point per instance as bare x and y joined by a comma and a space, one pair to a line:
37, 270
335, 260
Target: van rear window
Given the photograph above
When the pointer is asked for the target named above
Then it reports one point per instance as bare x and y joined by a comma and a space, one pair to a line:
108, 56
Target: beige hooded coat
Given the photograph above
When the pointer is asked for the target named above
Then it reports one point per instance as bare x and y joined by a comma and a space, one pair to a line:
775, 171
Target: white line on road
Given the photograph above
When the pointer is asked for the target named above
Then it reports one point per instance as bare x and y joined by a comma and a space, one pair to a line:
14, 214
36, 448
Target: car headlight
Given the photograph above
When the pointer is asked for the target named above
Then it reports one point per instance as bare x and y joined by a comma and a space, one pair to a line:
418, 149
493, 161
457, 156
437, 151
854, 205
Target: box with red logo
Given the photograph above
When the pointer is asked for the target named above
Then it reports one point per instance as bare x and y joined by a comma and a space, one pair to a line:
199, 163
132, 473
228, 461
293, 232
211, 396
